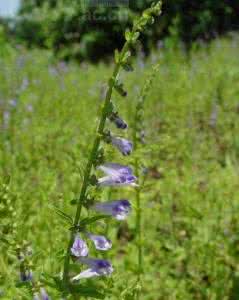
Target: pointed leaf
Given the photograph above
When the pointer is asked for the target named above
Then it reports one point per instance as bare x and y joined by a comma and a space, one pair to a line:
63, 215
94, 219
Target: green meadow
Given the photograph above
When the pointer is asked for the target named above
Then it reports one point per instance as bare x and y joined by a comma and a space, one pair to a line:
48, 116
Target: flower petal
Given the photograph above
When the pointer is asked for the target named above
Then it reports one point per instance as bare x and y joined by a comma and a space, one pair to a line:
113, 169
85, 274
44, 295
123, 145
118, 208
101, 242
79, 247
100, 266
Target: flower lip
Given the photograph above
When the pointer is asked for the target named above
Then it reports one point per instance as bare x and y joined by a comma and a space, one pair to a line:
123, 145
79, 247
102, 264
115, 169
116, 175
99, 266
101, 242
119, 209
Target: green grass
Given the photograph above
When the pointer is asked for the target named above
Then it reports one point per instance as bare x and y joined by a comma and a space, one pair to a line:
190, 203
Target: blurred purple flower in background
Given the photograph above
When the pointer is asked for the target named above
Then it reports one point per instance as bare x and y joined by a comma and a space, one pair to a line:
44, 295
26, 275
13, 102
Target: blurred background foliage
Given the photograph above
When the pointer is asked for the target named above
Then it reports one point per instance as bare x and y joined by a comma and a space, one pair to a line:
190, 202
75, 29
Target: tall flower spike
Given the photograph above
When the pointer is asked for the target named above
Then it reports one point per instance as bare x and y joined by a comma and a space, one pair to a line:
119, 209
79, 247
98, 267
101, 243
117, 175
123, 145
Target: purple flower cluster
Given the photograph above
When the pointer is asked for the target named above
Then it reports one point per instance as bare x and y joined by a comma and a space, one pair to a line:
97, 267
26, 274
115, 175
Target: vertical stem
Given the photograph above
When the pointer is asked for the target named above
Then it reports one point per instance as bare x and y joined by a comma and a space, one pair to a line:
138, 121
138, 221
87, 173
137, 28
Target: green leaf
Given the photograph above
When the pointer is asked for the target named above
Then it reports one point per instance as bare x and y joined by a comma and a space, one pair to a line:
63, 215
135, 36
128, 35
73, 201
91, 220
88, 290
126, 56
110, 108
117, 56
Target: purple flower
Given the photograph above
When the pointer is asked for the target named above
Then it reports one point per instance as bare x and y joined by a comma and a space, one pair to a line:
119, 209
24, 85
116, 175
6, 118
98, 267
120, 123
36, 297
101, 243
13, 102
26, 275
79, 247
44, 295
123, 145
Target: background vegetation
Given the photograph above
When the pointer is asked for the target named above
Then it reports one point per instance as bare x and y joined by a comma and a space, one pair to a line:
48, 112
76, 29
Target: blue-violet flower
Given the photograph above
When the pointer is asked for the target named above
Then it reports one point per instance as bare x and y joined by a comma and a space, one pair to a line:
101, 243
98, 267
79, 247
117, 175
123, 145
119, 209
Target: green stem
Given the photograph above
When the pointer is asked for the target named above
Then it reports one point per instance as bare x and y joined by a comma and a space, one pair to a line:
87, 173
100, 130
138, 222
